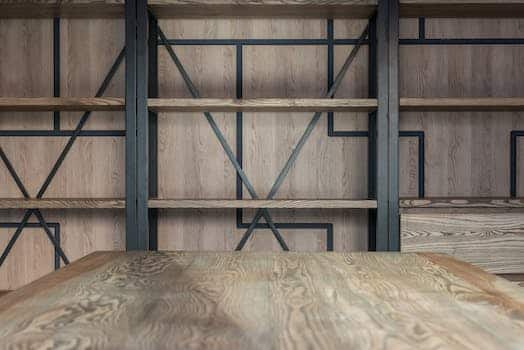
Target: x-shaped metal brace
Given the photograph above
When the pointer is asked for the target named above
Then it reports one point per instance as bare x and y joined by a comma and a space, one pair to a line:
262, 212
65, 151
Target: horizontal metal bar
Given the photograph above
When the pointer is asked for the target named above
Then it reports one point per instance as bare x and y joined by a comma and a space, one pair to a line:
61, 133
463, 41
257, 42
318, 42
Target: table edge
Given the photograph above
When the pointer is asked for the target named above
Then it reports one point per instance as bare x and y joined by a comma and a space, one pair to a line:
52, 279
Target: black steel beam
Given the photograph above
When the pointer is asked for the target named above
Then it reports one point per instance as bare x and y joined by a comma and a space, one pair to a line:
132, 240
153, 129
372, 133
393, 125
142, 119
387, 236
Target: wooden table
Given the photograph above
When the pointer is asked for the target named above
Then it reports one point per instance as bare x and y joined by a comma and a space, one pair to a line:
168, 300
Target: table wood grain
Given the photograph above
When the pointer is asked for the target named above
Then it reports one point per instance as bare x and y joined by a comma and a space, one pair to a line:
212, 300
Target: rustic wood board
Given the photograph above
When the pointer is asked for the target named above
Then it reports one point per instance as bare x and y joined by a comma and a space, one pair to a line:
494, 242
266, 301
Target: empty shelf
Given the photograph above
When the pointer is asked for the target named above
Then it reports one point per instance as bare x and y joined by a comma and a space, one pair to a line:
261, 105
194, 8
62, 203
462, 104
461, 8
61, 104
248, 203
462, 203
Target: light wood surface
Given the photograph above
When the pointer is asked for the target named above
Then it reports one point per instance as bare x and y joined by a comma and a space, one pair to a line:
262, 105
462, 104
264, 8
295, 203
462, 8
409, 203
61, 104
517, 278
62, 203
266, 301
193, 8
494, 242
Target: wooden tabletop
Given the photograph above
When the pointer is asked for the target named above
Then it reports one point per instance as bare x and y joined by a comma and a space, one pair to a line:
161, 300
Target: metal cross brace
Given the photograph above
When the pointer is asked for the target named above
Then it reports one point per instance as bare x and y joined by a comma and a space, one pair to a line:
296, 151
194, 92
37, 212
83, 120
263, 211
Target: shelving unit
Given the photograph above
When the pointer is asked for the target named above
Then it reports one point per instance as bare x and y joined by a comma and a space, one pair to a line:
143, 104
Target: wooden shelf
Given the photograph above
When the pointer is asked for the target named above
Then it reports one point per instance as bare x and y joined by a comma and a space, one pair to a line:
462, 8
264, 8
248, 203
70, 8
261, 105
462, 104
411, 203
194, 8
61, 104
62, 203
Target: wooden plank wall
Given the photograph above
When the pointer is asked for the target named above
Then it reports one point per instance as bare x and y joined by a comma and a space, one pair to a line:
191, 162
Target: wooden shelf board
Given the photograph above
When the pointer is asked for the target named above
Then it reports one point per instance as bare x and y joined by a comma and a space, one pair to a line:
193, 8
297, 203
62, 203
462, 8
462, 104
61, 104
261, 105
53, 8
410, 203
264, 8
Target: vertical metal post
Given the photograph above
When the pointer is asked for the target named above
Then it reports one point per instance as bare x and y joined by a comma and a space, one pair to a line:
393, 125
372, 132
56, 69
387, 234
142, 121
131, 124
153, 130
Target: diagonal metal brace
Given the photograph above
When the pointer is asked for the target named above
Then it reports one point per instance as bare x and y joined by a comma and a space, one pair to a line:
37, 212
58, 163
296, 151
195, 93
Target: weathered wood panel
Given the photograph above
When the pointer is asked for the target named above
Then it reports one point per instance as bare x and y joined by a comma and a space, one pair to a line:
494, 242
461, 203
266, 301
462, 104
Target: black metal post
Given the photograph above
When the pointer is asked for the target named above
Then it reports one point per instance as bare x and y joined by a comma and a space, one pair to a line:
387, 236
142, 118
393, 125
153, 129
131, 126
372, 132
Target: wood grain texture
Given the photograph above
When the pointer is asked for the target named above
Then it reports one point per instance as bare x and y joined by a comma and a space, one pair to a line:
193, 8
462, 104
264, 8
62, 203
462, 8
517, 278
67, 8
295, 203
267, 301
408, 203
262, 105
61, 104
494, 242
